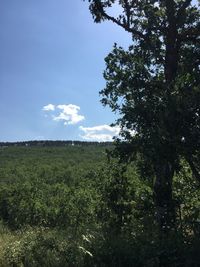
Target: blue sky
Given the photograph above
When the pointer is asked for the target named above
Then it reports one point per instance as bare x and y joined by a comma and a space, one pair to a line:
51, 63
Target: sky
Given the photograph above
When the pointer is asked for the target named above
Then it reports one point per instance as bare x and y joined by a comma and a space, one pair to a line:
51, 64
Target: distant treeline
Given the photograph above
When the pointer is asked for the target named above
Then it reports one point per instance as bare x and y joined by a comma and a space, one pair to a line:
50, 143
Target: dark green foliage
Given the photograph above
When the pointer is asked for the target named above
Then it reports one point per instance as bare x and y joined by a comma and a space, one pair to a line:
46, 186
154, 87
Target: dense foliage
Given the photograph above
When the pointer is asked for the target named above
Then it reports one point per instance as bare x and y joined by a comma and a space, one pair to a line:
66, 206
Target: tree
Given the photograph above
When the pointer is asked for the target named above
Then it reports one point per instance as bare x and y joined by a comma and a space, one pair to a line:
155, 88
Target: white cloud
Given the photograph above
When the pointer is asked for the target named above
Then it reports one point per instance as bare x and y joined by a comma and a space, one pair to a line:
99, 133
66, 113
69, 114
49, 107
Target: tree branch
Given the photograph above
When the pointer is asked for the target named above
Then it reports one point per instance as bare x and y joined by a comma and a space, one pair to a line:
126, 27
127, 10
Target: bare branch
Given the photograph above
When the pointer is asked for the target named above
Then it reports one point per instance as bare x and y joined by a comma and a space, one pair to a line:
125, 26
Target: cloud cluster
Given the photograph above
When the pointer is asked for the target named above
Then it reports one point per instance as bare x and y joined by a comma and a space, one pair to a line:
69, 114
100, 133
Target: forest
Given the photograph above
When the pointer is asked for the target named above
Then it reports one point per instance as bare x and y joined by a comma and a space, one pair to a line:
76, 206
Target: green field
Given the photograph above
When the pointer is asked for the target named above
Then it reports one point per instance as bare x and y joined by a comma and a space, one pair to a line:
69, 206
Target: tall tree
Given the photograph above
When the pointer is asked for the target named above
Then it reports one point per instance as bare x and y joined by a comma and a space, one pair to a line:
155, 88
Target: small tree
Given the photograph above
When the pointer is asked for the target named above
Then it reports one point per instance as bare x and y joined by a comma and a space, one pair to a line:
155, 88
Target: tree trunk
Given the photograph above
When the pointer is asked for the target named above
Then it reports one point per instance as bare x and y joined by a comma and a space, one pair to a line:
163, 196
165, 210
172, 47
